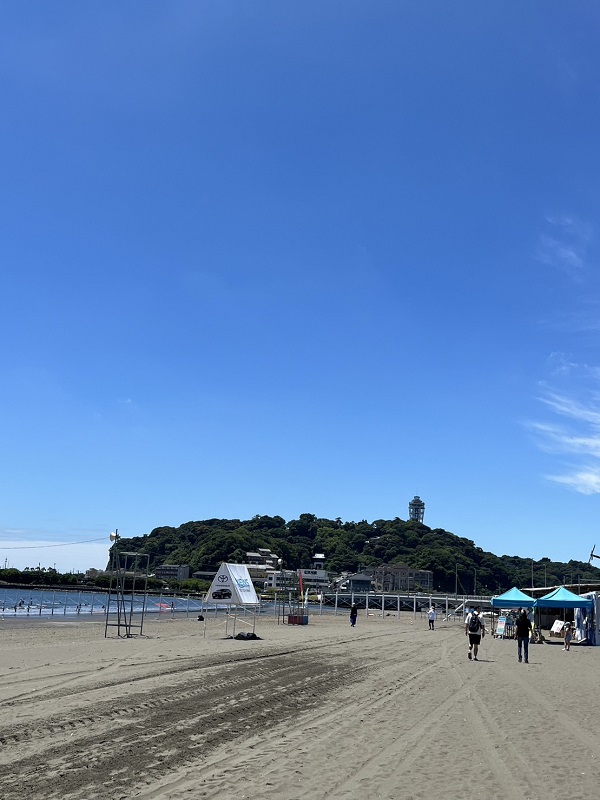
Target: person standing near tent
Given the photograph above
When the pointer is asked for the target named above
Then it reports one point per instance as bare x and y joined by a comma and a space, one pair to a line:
353, 614
568, 636
431, 617
522, 631
475, 630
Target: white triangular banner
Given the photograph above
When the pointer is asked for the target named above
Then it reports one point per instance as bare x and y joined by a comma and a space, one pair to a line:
232, 586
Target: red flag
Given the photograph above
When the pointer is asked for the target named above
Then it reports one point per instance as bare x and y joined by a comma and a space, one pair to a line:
300, 579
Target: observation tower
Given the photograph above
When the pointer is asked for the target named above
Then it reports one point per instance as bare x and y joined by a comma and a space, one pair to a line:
416, 509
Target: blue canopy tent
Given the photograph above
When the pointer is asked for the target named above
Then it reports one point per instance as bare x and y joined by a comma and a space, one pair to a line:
514, 598
563, 598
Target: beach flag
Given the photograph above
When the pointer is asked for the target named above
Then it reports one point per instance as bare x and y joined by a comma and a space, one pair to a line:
300, 580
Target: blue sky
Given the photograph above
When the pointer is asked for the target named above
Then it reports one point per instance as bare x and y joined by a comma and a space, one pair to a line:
275, 258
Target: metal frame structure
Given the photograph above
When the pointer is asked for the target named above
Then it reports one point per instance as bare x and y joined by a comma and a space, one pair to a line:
289, 607
123, 566
286, 596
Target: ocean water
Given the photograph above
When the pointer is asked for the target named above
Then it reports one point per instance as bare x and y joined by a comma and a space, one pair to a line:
25, 602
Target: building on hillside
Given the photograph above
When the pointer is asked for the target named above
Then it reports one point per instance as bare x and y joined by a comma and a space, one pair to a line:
173, 572
416, 509
287, 578
314, 578
204, 574
282, 579
259, 572
319, 561
402, 578
357, 582
262, 557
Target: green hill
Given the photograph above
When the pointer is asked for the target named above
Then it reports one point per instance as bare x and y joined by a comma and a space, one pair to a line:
352, 545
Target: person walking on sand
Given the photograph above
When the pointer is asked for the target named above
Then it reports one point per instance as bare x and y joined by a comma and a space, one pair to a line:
475, 630
431, 616
522, 630
568, 636
353, 614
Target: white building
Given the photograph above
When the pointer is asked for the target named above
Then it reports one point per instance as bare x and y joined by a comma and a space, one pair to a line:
319, 561
282, 579
314, 578
290, 579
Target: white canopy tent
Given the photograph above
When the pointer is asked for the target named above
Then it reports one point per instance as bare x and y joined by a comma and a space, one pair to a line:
587, 621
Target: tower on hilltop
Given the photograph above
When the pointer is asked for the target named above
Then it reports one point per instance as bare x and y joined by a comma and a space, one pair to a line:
416, 509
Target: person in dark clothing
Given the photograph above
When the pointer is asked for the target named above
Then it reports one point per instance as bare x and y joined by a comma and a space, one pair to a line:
522, 630
475, 630
353, 614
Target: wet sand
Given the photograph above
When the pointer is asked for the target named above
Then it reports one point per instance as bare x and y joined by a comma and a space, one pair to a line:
386, 710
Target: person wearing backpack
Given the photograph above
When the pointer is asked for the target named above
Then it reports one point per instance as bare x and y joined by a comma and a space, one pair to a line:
475, 630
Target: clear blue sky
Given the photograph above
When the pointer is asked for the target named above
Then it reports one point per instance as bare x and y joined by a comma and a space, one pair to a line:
286, 257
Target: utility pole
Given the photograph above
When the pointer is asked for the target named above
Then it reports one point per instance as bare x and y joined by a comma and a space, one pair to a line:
532, 573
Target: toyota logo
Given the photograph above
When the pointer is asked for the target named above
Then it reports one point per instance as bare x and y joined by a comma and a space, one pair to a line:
223, 578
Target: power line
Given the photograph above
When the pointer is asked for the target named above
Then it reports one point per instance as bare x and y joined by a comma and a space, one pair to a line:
40, 546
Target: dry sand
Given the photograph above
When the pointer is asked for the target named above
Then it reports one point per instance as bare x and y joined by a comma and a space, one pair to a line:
385, 710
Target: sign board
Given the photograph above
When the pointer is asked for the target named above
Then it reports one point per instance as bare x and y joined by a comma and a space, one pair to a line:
232, 586
557, 626
501, 626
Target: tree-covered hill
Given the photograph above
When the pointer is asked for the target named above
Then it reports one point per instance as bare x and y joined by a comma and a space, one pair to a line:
351, 546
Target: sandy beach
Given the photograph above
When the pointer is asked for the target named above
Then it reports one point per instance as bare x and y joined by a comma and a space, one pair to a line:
388, 709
